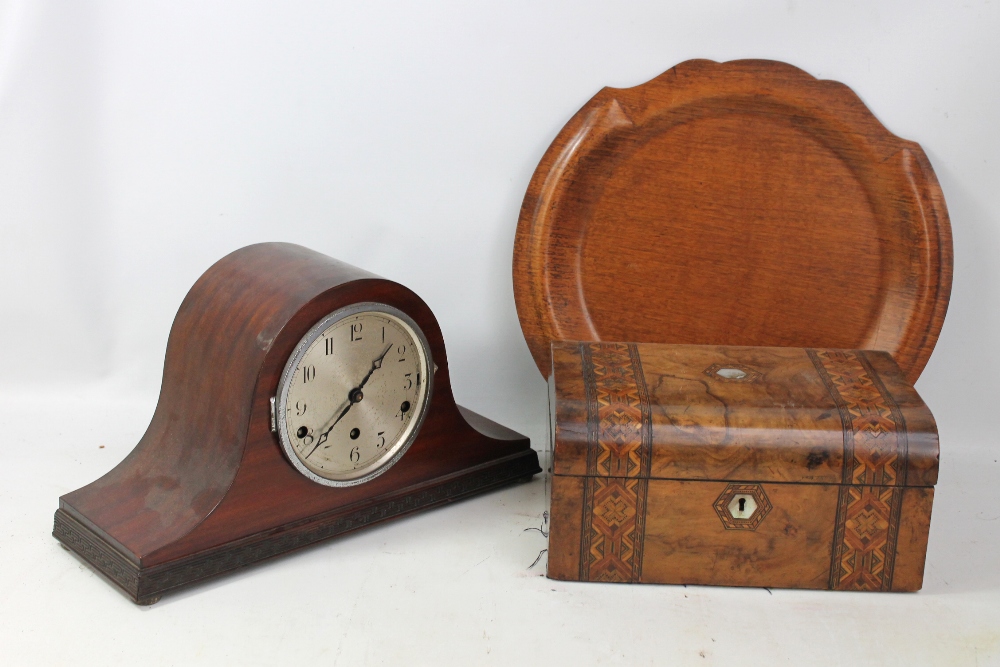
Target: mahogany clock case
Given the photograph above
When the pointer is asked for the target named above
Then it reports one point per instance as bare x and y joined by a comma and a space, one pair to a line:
738, 466
738, 203
208, 489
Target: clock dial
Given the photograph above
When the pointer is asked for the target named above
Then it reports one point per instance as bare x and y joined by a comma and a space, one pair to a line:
353, 394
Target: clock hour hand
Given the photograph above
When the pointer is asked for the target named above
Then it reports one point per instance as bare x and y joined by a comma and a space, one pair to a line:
323, 436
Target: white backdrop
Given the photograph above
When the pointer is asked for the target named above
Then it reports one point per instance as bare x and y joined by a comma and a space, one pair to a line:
142, 141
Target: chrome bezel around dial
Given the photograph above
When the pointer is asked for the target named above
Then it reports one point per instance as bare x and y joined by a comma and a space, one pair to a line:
393, 453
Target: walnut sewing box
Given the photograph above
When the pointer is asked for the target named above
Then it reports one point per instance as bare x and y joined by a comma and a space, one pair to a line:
749, 466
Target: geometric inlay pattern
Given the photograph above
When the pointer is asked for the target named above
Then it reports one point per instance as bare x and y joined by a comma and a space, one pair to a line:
875, 465
618, 412
619, 436
614, 530
724, 502
865, 544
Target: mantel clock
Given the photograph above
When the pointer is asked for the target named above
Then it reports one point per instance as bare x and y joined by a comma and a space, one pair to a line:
302, 398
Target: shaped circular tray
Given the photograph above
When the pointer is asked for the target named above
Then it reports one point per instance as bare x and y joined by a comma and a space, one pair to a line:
739, 203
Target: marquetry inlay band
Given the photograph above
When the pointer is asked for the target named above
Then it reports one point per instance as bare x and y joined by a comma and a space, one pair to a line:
619, 432
874, 471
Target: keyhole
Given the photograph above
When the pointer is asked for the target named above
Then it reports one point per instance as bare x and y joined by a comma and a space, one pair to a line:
742, 507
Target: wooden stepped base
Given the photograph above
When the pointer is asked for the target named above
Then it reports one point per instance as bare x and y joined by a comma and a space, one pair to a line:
145, 585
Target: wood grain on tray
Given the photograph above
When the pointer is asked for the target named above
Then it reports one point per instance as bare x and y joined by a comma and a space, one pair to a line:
740, 203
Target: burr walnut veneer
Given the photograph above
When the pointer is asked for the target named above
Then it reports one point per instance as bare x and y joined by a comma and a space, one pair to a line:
208, 490
741, 466
739, 203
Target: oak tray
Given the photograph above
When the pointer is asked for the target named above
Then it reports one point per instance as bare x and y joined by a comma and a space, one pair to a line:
739, 203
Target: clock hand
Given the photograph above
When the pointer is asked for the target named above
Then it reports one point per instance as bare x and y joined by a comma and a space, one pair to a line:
353, 397
323, 436
376, 364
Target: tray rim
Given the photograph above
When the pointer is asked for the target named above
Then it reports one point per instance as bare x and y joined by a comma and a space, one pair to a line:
916, 341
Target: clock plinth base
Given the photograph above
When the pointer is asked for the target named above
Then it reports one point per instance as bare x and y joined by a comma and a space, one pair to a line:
145, 586
209, 490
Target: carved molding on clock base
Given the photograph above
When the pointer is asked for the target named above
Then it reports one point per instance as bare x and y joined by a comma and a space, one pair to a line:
96, 551
146, 585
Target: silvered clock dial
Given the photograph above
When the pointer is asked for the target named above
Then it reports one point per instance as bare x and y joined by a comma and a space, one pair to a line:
353, 394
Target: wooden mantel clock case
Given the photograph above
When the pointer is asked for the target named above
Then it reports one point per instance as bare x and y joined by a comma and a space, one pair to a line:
302, 398
738, 466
